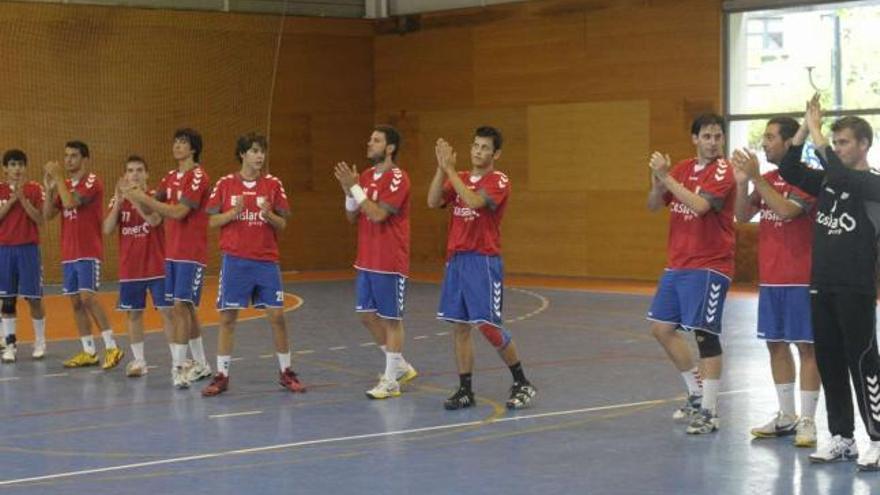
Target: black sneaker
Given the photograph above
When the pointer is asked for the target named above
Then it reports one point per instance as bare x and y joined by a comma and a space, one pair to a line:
459, 400
521, 394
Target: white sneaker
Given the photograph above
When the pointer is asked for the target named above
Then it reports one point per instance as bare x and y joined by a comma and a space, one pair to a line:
870, 460
135, 368
780, 426
9, 353
197, 371
703, 422
39, 349
806, 433
690, 408
385, 389
406, 374
179, 378
837, 449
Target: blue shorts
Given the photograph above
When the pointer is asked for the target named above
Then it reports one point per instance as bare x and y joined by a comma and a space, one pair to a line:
473, 289
244, 281
784, 314
133, 294
692, 299
21, 273
183, 281
381, 293
81, 275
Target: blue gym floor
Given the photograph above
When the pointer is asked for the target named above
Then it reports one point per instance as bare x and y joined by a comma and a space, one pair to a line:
601, 422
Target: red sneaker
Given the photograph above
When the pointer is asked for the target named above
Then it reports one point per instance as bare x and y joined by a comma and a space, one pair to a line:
217, 386
290, 381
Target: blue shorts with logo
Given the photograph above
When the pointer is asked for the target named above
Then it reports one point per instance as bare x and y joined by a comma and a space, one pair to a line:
184, 280
21, 272
690, 298
473, 289
784, 314
81, 275
244, 282
133, 294
381, 293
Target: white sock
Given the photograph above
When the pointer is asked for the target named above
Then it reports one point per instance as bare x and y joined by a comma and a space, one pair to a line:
710, 394
39, 330
109, 342
283, 360
88, 344
692, 381
8, 326
197, 350
224, 363
393, 361
138, 350
809, 400
171, 350
384, 349
785, 397
178, 354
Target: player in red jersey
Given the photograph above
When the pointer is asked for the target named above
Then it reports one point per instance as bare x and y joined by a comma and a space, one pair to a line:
21, 270
250, 208
473, 284
785, 239
80, 200
181, 199
141, 261
378, 201
690, 295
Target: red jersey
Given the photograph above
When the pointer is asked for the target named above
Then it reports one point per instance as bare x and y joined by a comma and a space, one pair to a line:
784, 246
81, 226
249, 235
141, 245
187, 238
384, 246
702, 242
17, 227
477, 230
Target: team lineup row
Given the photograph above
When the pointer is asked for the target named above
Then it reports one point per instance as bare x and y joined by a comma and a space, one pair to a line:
162, 235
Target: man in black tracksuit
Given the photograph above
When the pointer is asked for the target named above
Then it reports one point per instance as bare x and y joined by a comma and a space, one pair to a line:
843, 289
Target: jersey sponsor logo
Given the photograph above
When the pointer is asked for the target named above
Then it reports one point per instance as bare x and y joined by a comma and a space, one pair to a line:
141, 230
467, 213
682, 209
251, 217
768, 215
836, 224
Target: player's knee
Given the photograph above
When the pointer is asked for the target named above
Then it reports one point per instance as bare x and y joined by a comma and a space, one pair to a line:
708, 344
662, 331
367, 317
499, 337
8, 307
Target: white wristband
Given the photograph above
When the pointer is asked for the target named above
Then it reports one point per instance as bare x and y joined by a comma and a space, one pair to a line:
351, 204
357, 192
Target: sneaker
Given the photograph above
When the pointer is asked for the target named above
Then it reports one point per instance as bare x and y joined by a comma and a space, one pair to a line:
112, 357
459, 400
870, 460
290, 381
135, 368
197, 371
218, 385
39, 350
8, 355
837, 449
521, 394
81, 359
782, 425
806, 433
384, 389
690, 408
406, 374
179, 378
702, 423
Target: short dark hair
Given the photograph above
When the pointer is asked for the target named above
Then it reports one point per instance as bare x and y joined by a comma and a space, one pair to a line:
137, 159
14, 155
860, 127
788, 127
245, 143
490, 132
194, 139
704, 120
78, 145
391, 137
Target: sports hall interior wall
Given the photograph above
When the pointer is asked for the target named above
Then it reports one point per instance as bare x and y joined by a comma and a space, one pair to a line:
583, 90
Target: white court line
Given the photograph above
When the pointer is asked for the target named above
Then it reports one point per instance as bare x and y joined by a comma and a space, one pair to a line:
265, 356
236, 359
232, 415
420, 337
332, 440
9, 379
338, 348
368, 344
54, 375
440, 334
307, 351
